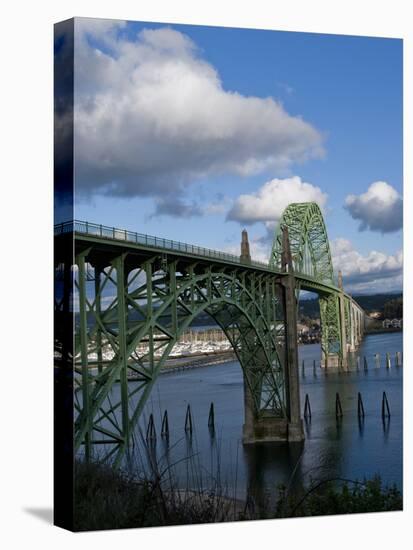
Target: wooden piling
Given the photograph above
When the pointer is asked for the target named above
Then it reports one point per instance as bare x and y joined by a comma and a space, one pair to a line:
314, 367
397, 359
377, 360
360, 406
302, 368
188, 420
388, 361
307, 407
385, 409
365, 364
211, 417
339, 410
151, 431
358, 363
165, 425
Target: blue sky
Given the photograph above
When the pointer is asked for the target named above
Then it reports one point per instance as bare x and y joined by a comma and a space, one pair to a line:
333, 120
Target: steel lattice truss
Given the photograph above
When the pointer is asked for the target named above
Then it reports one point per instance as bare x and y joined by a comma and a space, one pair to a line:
311, 257
132, 313
127, 298
310, 248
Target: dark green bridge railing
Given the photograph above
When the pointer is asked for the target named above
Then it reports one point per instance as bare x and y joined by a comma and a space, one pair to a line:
107, 232
113, 233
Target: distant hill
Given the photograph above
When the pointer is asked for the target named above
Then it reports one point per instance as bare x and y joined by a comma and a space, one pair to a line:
371, 302
376, 302
390, 305
309, 308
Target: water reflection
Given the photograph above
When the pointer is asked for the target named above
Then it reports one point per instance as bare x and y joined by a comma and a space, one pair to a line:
386, 427
307, 426
361, 425
270, 465
349, 445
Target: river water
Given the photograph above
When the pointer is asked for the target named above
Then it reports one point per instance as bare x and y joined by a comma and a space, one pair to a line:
346, 448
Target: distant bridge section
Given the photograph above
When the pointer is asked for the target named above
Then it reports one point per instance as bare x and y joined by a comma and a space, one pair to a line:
342, 319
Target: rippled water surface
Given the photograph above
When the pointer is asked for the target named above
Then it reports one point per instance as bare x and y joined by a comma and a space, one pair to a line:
333, 449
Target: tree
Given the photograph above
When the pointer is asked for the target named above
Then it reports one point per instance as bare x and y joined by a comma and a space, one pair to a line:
393, 309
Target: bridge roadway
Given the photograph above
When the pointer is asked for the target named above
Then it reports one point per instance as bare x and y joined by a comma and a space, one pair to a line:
106, 236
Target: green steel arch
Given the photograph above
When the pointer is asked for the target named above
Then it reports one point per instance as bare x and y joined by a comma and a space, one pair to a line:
155, 300
310, 248
127, 298
311, 259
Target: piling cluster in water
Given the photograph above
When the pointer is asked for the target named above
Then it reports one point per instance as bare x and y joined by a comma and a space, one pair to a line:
398, 362
151, 431
385, 407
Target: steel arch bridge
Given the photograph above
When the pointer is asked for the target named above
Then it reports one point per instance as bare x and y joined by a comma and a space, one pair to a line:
123, 299
342, 319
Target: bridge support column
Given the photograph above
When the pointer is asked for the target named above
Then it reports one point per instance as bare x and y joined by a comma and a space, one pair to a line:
81, 263
362, 320
295, 423
343, 336
352, 329
342, 321
262, 426
356, 328
249, 413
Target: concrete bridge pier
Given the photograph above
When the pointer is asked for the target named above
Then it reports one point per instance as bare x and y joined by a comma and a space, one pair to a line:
343, 335
266, 426
352, 346
331, 360
292, 383
350, 319
343, 363
261, 428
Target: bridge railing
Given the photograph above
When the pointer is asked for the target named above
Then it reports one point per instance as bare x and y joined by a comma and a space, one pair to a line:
114, 233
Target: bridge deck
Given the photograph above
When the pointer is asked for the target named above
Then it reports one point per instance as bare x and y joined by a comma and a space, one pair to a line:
111, 235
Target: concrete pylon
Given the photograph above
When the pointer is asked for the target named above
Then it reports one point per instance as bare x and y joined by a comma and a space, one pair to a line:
343, 335
340, 280
245, 248
295, 423
352, 329
267, 427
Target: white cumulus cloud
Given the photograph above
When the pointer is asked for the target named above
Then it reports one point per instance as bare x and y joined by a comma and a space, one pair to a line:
151, 116
363, 274
269, 202
380, 208
376, 271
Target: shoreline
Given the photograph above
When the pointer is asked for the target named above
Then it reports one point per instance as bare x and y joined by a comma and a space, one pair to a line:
204, 360
382, 331
198, 360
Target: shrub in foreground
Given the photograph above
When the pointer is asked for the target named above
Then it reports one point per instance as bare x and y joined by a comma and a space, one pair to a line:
109, 499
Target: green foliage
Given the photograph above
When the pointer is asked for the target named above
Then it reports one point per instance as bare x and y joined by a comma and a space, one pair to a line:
375, 302
390, 305
393, 309
309, 322
340, 497
108, 499
309, 309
